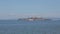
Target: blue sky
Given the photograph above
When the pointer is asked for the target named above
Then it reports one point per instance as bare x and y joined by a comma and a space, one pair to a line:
23, 8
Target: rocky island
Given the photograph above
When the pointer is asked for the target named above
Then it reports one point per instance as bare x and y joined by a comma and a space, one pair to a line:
33, 19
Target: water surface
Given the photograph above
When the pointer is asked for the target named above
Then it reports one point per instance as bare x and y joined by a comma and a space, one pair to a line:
29, 27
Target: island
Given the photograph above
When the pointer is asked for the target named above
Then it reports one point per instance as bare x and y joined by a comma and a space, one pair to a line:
34, 19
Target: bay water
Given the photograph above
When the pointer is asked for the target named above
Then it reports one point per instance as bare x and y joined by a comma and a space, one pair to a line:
29, 27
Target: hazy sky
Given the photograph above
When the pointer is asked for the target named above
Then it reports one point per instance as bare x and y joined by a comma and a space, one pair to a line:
11, 9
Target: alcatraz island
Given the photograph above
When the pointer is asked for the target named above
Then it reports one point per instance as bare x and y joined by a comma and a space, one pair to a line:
34, 19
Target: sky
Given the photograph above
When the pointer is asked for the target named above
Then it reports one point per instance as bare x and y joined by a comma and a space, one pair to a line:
12, 9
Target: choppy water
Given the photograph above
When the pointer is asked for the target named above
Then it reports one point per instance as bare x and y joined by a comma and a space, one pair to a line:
29, 27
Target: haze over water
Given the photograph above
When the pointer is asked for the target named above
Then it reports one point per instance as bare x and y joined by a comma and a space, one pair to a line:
14, 9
